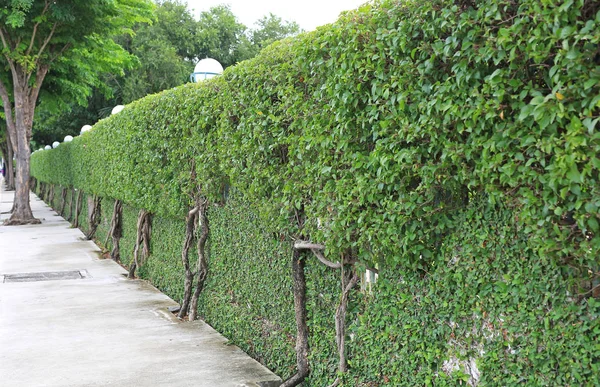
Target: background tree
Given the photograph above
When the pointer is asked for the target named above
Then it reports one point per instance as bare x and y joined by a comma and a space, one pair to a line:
53, 123
6, 152
177, 24
40, 36
166, 51
220, 36
269, 29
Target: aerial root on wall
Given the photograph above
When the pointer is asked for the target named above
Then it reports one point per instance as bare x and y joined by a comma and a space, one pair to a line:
190, 231
301, 326
63, 201
195, 219
202, 264
349, 279
71, 204
51, 195
141, 250
116, 230
78, 205
94, 218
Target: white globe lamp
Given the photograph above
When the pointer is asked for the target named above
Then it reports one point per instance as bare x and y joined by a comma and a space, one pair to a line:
206, 69
117, 109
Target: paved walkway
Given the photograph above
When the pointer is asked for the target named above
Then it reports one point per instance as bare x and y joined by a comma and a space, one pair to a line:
96, 328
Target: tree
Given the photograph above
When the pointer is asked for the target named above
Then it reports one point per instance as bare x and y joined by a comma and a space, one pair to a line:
164, 50
40, 36
6, 151
270, 29
178, 26
220, 35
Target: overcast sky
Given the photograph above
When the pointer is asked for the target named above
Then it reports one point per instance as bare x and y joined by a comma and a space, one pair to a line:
309, 14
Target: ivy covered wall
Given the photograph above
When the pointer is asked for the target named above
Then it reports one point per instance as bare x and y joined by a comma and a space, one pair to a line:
453, 147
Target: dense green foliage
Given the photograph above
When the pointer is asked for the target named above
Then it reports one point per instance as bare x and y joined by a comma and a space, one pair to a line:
164, 53
454, 146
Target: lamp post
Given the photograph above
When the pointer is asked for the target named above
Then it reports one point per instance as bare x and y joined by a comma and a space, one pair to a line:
55, 144
85, 128
205, 69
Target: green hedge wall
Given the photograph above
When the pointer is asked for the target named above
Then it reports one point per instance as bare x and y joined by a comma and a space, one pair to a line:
453, 145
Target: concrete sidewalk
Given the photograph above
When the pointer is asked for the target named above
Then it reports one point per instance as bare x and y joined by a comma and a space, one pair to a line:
95, 327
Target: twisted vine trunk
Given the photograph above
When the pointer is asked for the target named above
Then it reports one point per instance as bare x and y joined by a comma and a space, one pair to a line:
302, 328
51, 195
142, 240
116, 230
71, 204
190, 230
202, 265
42, 189
78, 206
33, 183
94, 218
63, 200
349, 281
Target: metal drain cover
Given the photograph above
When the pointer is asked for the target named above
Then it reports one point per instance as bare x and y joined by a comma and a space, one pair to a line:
44, 276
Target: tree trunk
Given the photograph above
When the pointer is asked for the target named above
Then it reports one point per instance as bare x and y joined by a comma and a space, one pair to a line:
8, 154
63, 201
25, 95
202, 267
94, 218
300, 308
116, 230
144, 229
22, 213
78, 205
190, 229
349, 280
24, 108
71, 204
10, 169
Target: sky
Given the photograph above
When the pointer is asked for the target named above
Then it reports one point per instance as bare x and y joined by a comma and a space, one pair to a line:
309, 14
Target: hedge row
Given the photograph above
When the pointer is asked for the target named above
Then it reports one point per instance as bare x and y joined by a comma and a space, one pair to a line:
453, 145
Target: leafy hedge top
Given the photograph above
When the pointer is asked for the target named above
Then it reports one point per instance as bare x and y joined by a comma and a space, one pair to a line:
378, 127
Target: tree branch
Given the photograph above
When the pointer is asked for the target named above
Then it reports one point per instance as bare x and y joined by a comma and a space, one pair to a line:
7, 47
60, 53
304, 245
41, 50
193, 211
39, 78
317, 250
35, 27
324, 261
3, 38
47, 40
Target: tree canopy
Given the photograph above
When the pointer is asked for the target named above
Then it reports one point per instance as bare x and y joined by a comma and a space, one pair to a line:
161, 56
71, 43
